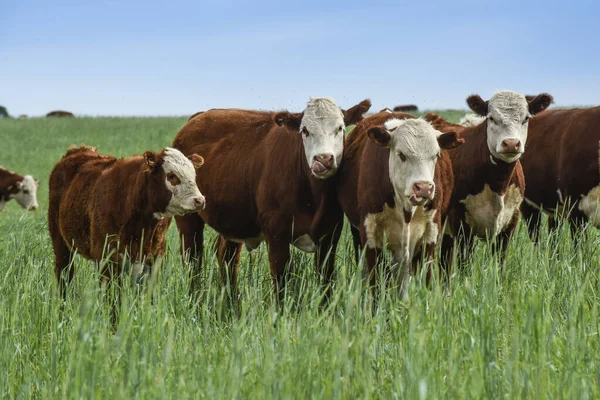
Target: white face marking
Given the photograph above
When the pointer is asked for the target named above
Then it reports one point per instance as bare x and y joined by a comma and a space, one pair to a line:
471, 120
185, 195
488, 213
413, 155
322, 129
27, 194
508, 115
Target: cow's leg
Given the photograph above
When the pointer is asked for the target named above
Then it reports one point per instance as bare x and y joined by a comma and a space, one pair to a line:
279, 256
533, 218
110, 278
62, 255
325, 260
503, 239
424, 257
356, 242
577, 222
191, 232
228, 256
371, 258
447, 259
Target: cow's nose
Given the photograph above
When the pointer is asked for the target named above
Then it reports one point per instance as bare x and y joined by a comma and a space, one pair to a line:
511, 146
33, 207
199, 202
325, 159
424, 189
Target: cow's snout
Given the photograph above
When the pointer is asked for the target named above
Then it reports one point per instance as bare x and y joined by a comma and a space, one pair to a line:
322, 163
424, 189
510, 146
199, 202
33, 207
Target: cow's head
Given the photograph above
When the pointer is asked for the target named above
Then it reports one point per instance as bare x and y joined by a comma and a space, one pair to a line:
507, 116
178, 175
414, 150
322, 126
25, 192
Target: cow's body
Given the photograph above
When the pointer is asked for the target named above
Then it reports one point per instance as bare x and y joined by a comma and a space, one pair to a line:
371, 192
260, 187
104, 207
21, 188
406, 107
489, 181
562, 167
60, 113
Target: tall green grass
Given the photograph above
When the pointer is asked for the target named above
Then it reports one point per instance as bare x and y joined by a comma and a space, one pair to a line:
528, 331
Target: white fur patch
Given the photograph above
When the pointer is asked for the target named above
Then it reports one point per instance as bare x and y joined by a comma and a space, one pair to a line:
323, 121
590, 206
488, 213
305, 243
471, 120
183, 194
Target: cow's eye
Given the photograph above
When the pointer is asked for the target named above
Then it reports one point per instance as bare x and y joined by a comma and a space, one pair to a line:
492, 120
341, 128
402, 156
525, 120
304, 131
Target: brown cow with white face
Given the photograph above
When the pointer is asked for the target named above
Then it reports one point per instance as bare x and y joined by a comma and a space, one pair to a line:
270, 177
101, 206
563, 169
489, 182
396, 181
21, 188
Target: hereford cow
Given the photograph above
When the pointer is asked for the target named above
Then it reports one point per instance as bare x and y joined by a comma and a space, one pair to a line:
406, 107
101, 206
21, 188
59, 113
489, 183
396, 181
271, 178
562, 168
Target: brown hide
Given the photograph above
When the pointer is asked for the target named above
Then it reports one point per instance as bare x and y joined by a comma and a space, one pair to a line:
562, 156
364, 184
406, 107
101, 207
257, 183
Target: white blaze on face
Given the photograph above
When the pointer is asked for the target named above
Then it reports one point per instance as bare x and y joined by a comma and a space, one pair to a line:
508, 116
27, 194
181, 182
322, 128
414, 151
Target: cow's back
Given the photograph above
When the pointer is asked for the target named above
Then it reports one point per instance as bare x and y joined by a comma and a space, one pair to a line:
563, 151
72, 183
239, 146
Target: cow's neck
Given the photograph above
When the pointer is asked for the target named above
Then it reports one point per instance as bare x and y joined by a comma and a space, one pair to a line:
142, 203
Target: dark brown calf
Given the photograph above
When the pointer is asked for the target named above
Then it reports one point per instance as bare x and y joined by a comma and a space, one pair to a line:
406, 107
395, 181
562, 168
107, 208
271, 177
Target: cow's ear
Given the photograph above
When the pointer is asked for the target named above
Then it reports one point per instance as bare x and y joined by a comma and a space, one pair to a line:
288, 120
477, 104
196, 160
151, 160
19, 185
539, 103
355, 114
36, 180
449, 140
380, 136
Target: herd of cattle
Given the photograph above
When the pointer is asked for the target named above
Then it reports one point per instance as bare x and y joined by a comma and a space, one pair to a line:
289, 178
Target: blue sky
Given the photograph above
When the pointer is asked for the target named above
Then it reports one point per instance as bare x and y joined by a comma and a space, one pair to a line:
178, 57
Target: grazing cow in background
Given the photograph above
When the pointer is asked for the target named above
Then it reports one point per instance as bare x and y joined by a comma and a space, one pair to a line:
60, 114
21, 188
405, 108
101, 206
562, 168
271, 177
471, 120
396, 181
489, 184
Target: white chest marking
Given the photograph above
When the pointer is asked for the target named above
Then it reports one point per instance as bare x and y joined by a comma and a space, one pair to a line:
305, 243
590, 206
488, 213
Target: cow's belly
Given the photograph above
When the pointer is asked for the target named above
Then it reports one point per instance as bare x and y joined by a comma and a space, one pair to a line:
590, 206
303, 242
488, 213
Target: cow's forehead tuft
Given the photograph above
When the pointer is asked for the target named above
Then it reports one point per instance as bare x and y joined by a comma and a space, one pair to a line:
174, 161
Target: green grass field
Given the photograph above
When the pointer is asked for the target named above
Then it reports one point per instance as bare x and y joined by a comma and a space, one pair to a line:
531, 331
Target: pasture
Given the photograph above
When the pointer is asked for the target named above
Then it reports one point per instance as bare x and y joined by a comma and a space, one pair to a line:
529, 331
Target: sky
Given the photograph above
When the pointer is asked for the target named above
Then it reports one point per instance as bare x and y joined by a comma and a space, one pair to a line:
177, 57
